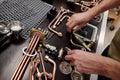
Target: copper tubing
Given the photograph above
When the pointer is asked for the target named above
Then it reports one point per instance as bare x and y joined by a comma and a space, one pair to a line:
54, 64
33, 68
85, 4
49, 26
31, 71
43, 65
25, 59
39, 75
26, 62
56, 20
63, 19
61, 15
83, 7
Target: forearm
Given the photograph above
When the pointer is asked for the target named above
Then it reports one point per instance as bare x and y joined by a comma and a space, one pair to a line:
111, 69
103, 6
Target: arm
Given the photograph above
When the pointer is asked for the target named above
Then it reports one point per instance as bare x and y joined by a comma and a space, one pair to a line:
80, 19
91, 63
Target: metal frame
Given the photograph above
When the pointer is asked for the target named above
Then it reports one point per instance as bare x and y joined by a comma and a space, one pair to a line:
100, 40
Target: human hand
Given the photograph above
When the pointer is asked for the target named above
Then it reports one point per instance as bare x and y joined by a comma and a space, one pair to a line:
86, 62
79, 20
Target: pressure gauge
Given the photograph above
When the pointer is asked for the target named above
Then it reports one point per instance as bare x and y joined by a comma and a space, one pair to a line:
75, 75
65, 67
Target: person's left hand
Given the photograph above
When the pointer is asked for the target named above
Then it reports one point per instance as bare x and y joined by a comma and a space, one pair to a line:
78, 20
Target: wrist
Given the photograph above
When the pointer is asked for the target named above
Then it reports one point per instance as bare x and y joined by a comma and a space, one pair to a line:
92, 12
111, 69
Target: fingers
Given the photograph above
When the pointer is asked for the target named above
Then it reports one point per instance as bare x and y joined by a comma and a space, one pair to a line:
76, 28
70, 25
70, 52
69, 57
73, 55
72, 61
77, 19
71, 22
73, 25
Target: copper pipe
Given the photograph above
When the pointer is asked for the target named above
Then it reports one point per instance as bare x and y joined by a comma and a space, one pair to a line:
39, 74
33, 68
43, 65
23, 64
23, 59
35, 65
31, 71
57, 19
49, 26
62, 14
41, 58
26, 62
54, 25
63, 19
83, 7
54, 64
49, 75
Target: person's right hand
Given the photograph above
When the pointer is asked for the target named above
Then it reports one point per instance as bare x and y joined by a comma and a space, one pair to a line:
86, 62
92, 63
78, 20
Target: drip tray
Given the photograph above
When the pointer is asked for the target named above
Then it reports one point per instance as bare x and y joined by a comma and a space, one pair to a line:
30, 12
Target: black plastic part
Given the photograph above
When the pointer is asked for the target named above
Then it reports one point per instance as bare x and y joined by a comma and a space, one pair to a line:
51, 15
48, 1
4, 41
112, 28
